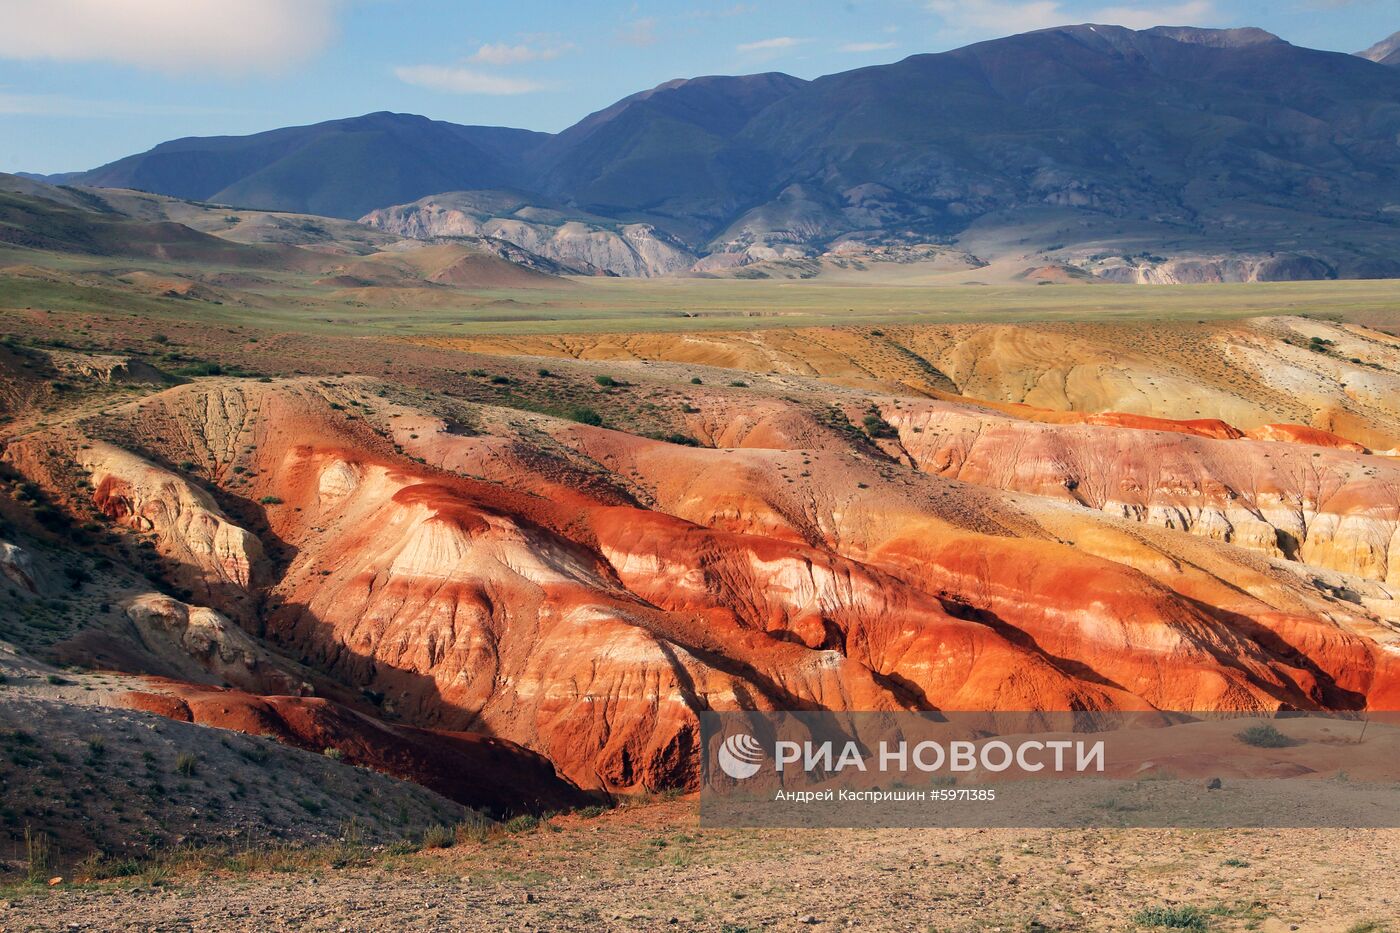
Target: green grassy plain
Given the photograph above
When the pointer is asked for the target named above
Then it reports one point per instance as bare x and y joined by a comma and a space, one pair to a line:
288, 301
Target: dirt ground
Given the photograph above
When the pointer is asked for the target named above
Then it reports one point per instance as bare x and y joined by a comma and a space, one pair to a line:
653, 867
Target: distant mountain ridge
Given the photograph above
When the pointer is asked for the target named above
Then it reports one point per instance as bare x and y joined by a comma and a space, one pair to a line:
1097, 145
341, 168
1384, 52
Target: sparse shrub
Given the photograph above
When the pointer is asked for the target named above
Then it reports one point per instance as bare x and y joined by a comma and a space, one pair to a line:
696, 381
738, 383
438, 836
37, 854
1265, 736
270, 500
1235, 863
500, 380
475, 828
544, 372
584, 415
877, 426
160, 338
333, 753
100, 868
1172, 918
523, 823
187, 764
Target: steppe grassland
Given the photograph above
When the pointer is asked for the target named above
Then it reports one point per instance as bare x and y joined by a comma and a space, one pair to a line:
285, 301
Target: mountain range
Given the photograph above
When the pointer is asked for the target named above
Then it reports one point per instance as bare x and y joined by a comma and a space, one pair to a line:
1386, 51
1166, 154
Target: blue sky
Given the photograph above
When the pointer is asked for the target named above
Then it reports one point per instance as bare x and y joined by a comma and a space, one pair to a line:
83, 82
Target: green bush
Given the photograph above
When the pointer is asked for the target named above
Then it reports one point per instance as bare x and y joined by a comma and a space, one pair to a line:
877, 426
1265, 736
1172, 918
584, 415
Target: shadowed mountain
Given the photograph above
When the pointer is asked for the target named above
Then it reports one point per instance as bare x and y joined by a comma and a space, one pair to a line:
341, 168
1121, 152
670, 150
1187, 129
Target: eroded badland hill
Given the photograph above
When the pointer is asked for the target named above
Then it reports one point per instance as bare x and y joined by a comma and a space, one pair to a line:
298, 561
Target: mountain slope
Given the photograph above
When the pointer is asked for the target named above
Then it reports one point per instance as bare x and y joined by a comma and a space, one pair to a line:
38, 223
1384, 52
669, 150
341, 168
1123, 152
1175, 127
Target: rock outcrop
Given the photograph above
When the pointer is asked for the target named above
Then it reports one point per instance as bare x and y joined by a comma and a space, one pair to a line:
580, 242
180, 633
214, 558
17, 567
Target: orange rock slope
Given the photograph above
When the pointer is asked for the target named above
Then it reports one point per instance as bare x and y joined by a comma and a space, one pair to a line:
584, 592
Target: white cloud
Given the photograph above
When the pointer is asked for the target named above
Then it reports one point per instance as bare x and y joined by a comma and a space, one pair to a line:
776, 44
1003, 17
866, 46
222, 36
453, 80
501, 54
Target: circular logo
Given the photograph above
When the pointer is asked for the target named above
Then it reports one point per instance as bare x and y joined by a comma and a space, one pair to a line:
740, 756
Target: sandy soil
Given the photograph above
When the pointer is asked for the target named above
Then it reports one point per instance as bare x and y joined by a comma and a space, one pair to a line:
652, 867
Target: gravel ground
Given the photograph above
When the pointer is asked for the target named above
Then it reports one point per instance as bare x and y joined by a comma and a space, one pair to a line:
652, 867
